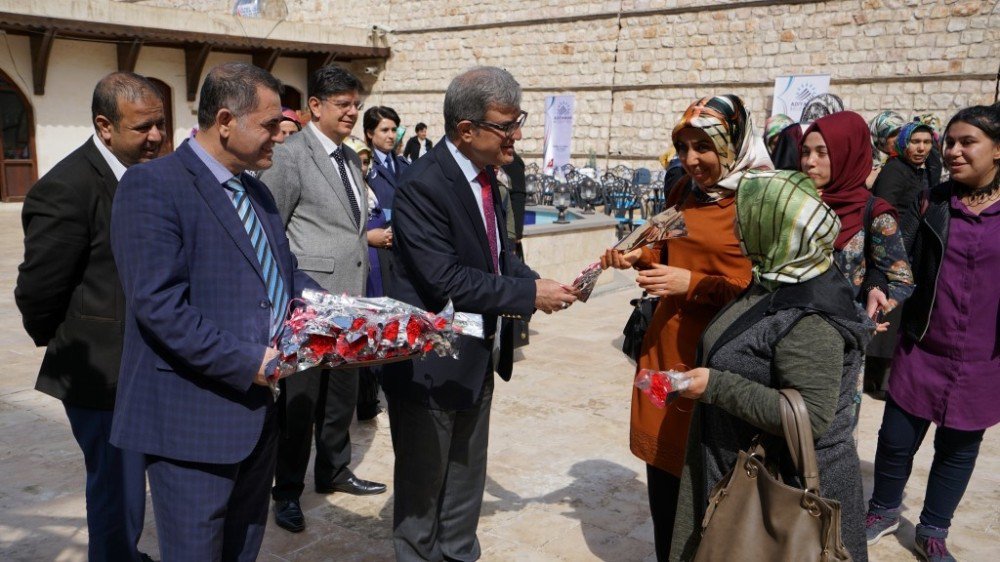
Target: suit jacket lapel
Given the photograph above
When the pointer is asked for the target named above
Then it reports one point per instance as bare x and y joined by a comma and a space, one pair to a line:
214, 195
385, 173
96, 160
330, 172
463, 191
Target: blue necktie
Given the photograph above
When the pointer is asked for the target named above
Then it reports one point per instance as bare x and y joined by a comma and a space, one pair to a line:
390, 164
269, 267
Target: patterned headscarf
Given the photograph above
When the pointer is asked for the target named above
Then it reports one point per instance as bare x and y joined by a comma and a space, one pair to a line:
784, 227
727, 122
905, 132
931, 121
821, 106
882, 126
773, 126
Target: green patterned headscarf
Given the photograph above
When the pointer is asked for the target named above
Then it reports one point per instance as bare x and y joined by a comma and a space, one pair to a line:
784, 227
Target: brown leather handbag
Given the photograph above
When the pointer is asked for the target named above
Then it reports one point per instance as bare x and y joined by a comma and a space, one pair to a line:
752, 515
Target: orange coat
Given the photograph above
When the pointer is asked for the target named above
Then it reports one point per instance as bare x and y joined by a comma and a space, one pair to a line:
719, 272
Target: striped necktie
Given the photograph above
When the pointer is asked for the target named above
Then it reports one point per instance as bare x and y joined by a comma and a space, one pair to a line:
276, 294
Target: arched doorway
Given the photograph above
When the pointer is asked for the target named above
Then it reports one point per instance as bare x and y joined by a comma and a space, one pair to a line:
168, 113
18, 170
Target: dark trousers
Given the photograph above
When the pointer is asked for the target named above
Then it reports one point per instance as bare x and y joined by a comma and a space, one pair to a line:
213, 512
116, 487
439, 478
663, 490
325, 399
368, 386
955, 453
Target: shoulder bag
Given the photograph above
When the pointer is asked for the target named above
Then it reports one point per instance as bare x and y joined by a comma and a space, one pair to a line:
752, 515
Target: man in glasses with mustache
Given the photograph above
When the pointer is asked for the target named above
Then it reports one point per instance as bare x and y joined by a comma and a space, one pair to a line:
451, 244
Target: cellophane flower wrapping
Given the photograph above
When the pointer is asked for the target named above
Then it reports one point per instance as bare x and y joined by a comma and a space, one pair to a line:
337, 330
661, 387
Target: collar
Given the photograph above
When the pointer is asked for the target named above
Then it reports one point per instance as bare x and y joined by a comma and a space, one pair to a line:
328, 145
468, 168
117, 168
220, 172
382, 157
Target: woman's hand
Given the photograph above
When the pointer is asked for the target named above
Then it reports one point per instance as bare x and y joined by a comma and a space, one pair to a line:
876, 306
699, 382
664, 280
619, 260
380, 238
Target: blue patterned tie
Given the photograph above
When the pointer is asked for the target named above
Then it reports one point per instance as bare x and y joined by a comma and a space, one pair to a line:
269, 267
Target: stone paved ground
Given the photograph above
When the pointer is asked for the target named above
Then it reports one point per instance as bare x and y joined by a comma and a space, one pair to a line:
562, 484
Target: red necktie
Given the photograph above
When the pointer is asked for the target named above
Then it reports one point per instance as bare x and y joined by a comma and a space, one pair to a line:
491, 218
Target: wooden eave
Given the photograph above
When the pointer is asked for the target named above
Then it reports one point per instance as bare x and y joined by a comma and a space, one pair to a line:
196, 45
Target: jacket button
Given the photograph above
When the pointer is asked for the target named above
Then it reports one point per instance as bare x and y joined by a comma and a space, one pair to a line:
265, 303
359, 264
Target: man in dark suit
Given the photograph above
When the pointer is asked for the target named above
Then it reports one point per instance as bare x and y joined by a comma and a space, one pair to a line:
208, 275
450, 245
321, 196
418, 145
72, 303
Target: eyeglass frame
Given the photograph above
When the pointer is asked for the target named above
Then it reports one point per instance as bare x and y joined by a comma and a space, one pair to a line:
344, 105
507, 129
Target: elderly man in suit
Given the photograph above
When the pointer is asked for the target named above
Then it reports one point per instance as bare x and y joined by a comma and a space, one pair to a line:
450, 245
208, 276
72, 303
317, 184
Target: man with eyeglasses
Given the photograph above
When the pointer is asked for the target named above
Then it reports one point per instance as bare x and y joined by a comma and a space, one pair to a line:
451, 244
317, 184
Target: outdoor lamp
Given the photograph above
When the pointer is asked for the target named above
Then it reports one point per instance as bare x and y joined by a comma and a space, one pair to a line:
588, 192
561, 196
531, 187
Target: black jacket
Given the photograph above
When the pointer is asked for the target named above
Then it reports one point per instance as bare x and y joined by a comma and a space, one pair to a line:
901, 183
412, 149
926, 238
67, 287
441, 253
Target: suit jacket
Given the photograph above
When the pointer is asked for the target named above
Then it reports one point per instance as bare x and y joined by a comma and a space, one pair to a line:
67, 287
383, 182
412, 149
441, 253
330, 246
198, 318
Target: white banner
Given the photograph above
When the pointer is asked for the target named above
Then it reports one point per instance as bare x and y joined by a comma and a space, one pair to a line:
792, 93
558, 132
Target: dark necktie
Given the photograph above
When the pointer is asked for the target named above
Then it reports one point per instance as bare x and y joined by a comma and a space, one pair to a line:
389, 164
338, 155
489, 214
269, 267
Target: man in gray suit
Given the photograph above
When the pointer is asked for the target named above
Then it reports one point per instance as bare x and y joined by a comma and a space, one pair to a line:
317, 184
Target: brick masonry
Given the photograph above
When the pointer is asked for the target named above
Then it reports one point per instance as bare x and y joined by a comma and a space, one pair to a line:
634, 65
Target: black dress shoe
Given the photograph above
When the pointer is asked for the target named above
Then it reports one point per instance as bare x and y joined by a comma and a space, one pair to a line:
288, 515
354, 486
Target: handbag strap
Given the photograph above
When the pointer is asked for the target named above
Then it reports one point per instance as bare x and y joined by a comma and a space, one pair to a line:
799, 437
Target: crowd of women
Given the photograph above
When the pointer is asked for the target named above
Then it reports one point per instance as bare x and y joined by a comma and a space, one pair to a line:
809, 247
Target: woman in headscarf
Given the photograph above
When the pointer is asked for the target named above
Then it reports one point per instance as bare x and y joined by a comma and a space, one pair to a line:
797, 326
935, 162
900, 182
869, 251
694, 276
821, 106
884, 128
946, 364
773, 127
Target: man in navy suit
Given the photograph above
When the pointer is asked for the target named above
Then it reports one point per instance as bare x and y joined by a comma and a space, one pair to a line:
208, 274
450, 245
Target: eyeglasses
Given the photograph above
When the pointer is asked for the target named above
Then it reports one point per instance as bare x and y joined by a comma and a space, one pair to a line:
508, 129
344, 105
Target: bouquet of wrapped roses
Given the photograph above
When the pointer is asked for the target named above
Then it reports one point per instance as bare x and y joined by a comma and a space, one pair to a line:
661, 387
338, 330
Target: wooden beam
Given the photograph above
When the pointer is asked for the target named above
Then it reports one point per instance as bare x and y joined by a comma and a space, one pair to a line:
318, 61
41, 48
128, 55
266, 58
194, 61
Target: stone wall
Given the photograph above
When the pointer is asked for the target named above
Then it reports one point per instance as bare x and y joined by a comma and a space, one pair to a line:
634, 65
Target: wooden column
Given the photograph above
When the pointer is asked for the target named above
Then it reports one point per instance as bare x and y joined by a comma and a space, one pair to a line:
41, 48
266, 58
194, 61
128, 55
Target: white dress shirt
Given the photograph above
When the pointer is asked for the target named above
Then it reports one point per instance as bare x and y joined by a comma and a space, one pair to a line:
117, 168
329, 146
471, 173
